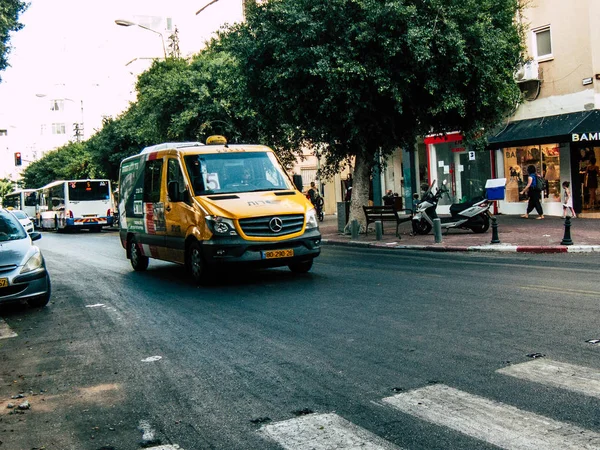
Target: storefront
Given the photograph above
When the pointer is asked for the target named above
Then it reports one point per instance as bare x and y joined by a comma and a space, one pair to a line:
559, 147
465, 171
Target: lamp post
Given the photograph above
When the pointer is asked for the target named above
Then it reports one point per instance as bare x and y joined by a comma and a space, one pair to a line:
127, 23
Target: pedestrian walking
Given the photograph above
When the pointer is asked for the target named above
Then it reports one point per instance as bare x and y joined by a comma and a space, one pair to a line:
534, 189
567, 200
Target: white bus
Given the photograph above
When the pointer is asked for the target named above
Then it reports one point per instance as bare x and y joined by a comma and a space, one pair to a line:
24, 199
76, 204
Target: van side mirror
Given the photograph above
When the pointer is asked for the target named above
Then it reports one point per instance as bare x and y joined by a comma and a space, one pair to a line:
173, 191
35, 236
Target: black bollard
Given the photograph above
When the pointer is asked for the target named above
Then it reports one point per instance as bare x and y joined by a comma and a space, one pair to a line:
495, 238
567, 237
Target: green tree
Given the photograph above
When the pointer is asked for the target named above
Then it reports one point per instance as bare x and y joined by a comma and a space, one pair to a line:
10, 10
71, 161
359, 78
6, 187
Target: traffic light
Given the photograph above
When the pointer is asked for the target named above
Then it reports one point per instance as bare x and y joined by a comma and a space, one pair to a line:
18, 159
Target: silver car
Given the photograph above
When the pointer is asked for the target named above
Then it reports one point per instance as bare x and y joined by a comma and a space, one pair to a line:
23, 274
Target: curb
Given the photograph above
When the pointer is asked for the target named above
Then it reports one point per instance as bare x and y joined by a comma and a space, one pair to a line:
499, 248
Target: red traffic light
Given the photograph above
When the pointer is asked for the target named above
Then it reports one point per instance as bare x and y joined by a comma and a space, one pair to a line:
18, 159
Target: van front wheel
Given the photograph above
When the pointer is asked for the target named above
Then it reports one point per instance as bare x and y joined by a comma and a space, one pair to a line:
195, 263
139, 262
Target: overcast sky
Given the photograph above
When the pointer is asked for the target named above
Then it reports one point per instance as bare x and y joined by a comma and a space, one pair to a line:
77, 44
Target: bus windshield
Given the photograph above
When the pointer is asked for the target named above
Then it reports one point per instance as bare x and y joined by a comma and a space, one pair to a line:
88, 190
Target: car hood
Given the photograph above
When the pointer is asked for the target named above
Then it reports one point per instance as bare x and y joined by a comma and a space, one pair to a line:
253, 204
16, 252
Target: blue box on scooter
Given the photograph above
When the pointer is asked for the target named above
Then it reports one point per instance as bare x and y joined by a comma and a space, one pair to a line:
495, 188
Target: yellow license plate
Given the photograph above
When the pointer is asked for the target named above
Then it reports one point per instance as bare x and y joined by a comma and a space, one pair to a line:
278, 254
3, 282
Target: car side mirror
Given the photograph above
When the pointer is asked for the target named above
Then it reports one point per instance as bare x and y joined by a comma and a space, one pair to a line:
35, 236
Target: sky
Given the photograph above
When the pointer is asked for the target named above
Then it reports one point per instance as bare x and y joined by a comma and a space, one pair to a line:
73, 48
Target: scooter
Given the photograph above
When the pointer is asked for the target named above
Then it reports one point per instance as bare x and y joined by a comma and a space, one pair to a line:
473, 216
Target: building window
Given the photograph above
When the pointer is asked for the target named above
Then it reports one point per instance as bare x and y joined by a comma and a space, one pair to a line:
57, 105
58, 128
542, 43
3, 132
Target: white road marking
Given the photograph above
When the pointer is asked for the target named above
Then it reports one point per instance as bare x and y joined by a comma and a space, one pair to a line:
561, 290
323, 432
5, 331
165, 447
494, 422
147, 431
97, 305
152, 359
583, 380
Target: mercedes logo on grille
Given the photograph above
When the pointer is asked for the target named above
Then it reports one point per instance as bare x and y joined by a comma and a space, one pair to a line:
275, 224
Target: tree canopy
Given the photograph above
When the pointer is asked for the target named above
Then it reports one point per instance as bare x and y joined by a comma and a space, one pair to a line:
10, 10
355, 79
362, 77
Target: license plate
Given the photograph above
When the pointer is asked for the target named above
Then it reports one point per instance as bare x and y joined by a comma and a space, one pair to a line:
3, 282
278, 254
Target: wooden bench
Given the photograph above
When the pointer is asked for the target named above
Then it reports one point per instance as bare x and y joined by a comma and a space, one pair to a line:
386, 214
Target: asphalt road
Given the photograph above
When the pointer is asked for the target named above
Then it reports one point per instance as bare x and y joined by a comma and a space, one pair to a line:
124, 360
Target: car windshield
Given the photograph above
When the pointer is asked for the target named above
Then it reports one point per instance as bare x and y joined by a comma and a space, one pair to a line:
10, 228
226, 173
19, 214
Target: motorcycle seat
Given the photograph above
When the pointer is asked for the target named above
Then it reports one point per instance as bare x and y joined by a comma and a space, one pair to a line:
458, 207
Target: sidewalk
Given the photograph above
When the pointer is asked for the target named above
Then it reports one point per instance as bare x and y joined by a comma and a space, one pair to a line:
515, 234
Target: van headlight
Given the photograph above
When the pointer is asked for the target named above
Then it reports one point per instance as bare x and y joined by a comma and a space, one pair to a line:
34, 262
220, 226
311, 219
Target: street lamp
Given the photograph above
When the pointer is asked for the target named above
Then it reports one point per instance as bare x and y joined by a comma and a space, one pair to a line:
127, 23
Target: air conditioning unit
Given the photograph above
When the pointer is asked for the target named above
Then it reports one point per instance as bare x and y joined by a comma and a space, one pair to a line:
527, 72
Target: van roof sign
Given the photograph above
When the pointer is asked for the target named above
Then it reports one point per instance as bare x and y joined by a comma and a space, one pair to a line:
216, 140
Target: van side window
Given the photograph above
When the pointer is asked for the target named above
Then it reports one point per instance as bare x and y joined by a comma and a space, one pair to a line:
152, 178
174, 174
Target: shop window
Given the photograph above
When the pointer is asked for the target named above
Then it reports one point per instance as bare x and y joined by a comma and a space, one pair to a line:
546, 160
542, 43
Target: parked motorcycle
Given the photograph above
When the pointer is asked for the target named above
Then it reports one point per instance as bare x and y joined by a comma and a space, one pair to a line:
473, 216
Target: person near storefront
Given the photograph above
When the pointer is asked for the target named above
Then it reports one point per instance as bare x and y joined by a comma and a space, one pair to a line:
535, 193
592, 172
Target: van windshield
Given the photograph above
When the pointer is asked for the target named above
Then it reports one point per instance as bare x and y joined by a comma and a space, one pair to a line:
225, 173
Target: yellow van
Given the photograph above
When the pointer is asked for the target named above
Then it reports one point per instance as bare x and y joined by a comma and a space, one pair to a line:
206, 206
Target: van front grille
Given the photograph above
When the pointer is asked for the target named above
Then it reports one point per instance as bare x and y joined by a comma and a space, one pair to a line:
269, 226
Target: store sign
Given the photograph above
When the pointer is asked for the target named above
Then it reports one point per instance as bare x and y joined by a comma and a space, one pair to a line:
583, 137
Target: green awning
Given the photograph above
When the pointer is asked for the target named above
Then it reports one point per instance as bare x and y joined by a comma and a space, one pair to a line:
548, 130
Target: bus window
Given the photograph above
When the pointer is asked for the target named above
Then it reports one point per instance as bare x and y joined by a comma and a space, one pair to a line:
88, 190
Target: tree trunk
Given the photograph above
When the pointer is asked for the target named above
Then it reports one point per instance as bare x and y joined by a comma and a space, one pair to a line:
361, 180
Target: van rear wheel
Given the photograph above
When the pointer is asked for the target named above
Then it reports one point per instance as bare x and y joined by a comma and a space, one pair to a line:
195, 263
139, 262
301, 267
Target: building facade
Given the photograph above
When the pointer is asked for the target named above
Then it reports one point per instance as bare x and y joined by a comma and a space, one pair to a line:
557, 127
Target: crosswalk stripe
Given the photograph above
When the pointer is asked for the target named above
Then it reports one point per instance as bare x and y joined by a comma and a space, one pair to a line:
494, 422
583, 380
323, 432
5, 331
